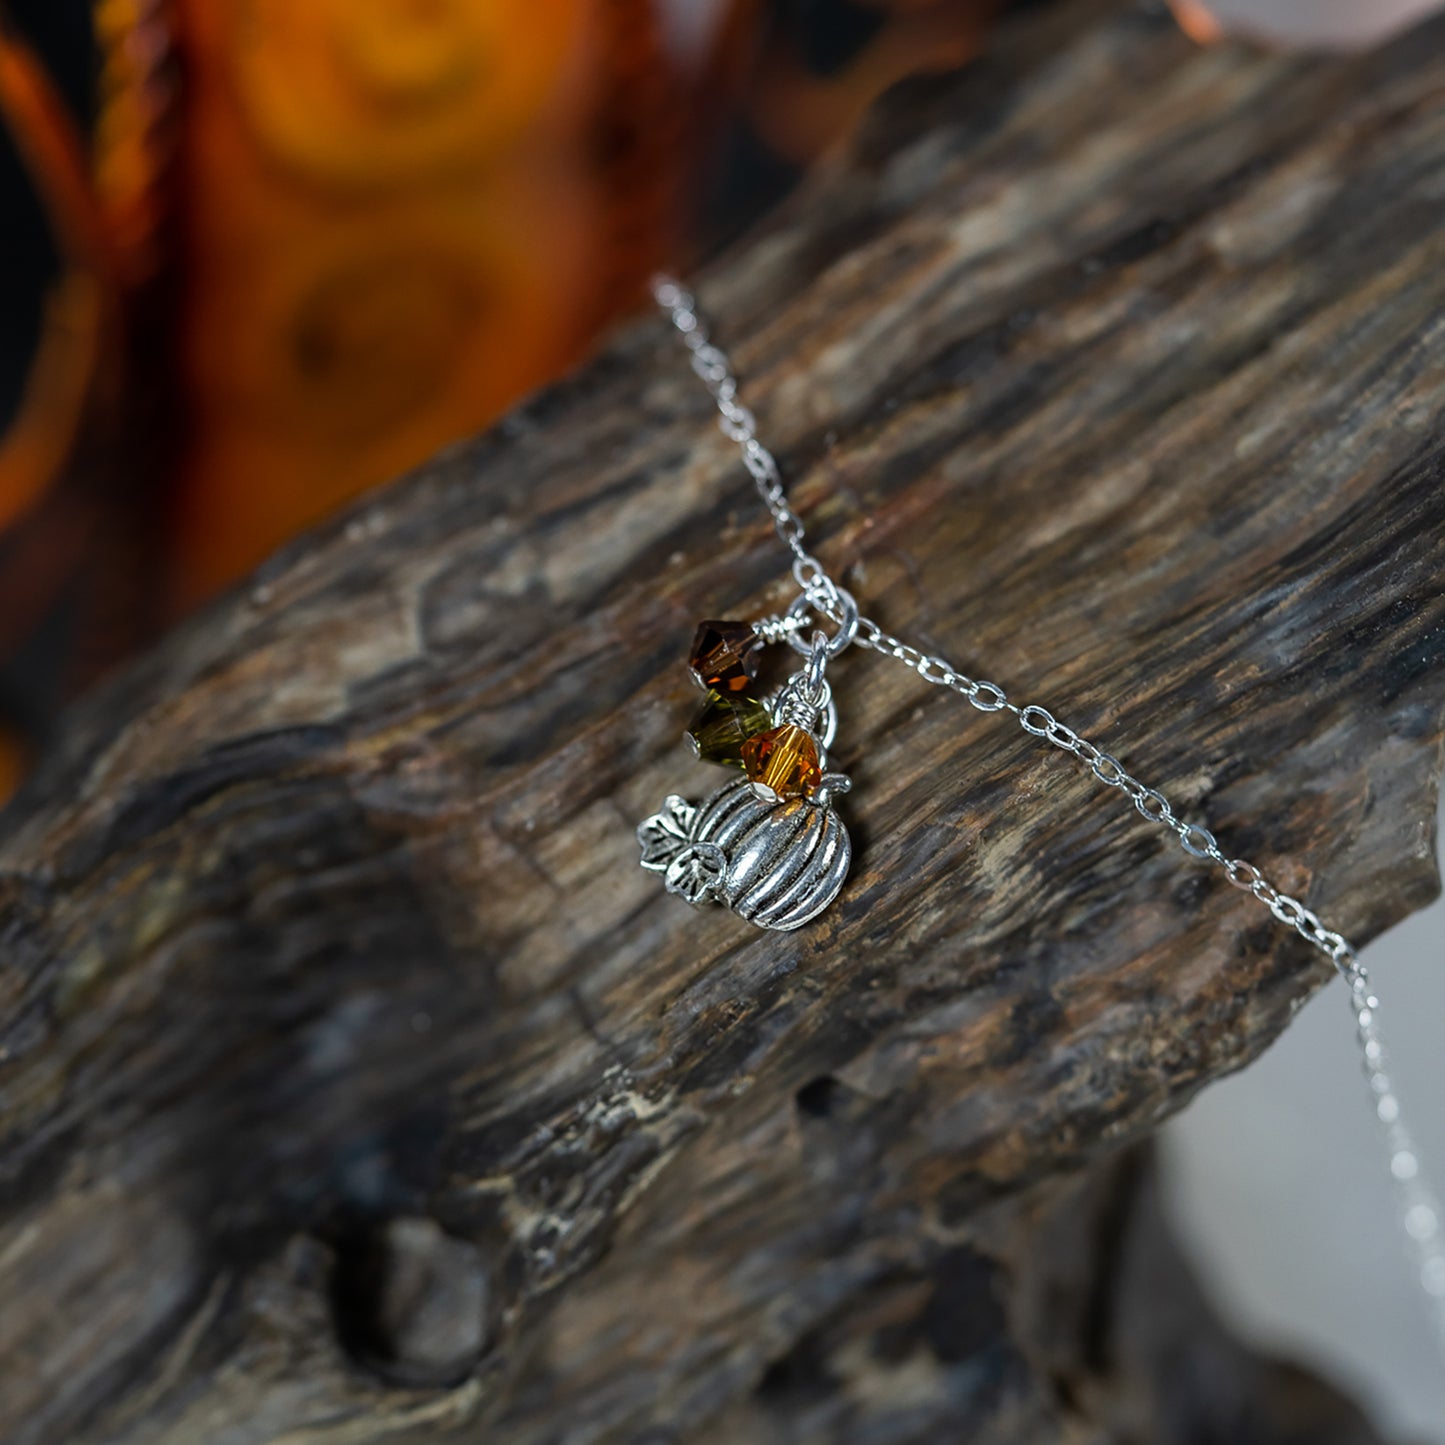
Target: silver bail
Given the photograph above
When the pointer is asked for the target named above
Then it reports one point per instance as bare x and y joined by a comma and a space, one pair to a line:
806, 696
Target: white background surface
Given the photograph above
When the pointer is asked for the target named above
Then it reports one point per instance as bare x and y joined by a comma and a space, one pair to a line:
1279, 1187
1334, 22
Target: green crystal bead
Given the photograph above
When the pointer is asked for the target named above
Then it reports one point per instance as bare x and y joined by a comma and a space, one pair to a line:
726, 722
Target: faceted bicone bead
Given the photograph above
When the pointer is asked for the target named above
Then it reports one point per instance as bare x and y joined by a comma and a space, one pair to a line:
727, 720
724, 655
783, 762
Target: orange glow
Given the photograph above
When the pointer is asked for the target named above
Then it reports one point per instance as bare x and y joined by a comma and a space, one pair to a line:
43, 433
14, 755
1198, 21
799, 114
131, 145
390, 233
41, 436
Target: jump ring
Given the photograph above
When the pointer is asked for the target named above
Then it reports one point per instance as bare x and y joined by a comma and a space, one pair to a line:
847, 622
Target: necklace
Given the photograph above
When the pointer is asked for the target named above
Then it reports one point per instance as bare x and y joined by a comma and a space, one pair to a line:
771, 844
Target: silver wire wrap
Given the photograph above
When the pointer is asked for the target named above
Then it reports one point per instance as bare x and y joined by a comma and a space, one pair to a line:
820, 596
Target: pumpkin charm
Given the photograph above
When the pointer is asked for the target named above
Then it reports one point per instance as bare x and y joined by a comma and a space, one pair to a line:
770, 845
776, 863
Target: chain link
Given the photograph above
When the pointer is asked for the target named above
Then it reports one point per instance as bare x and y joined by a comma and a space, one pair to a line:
1421, 1211
739, 425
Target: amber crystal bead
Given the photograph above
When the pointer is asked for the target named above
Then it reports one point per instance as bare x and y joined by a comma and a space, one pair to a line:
727, 720
783, 762
724, 655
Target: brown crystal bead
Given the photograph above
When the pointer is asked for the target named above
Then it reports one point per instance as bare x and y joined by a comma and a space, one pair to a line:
727, 720
783, 762
724, 655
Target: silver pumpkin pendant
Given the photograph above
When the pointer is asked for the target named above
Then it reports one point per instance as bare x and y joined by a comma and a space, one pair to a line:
777, 864
770, 845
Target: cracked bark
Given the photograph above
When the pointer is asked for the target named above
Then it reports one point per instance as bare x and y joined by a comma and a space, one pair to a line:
357, 1085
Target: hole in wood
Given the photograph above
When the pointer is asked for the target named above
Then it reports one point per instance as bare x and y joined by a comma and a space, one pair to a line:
821, 1098
410, 1301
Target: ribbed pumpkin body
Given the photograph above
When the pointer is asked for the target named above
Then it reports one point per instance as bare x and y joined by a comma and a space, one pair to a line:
785, 861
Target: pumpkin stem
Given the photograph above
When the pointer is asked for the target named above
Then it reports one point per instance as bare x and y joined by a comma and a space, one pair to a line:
829, 786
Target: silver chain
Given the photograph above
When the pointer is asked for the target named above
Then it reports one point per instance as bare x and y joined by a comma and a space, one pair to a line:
1421, 1212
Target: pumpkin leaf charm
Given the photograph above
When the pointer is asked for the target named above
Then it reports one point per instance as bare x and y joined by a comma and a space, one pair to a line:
665, 834
696, 873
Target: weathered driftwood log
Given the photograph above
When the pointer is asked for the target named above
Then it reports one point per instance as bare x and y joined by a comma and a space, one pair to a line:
357, 1085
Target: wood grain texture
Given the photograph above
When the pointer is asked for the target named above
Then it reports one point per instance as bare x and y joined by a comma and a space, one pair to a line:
357, 1085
